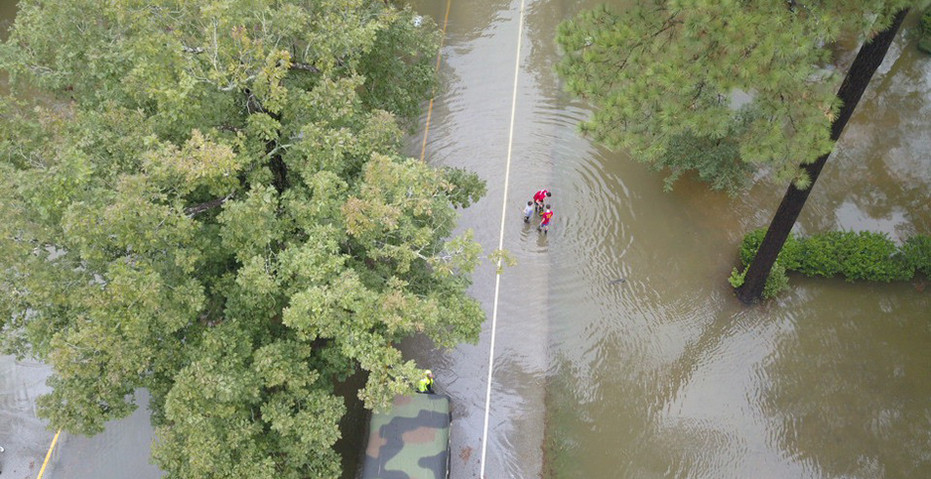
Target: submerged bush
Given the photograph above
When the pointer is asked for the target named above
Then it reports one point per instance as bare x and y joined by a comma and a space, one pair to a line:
820, 255
924, 32
873, 257
777, 281
788, 257
917, 254
863, 256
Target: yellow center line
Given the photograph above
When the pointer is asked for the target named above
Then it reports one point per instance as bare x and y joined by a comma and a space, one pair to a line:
439, 53
48, 455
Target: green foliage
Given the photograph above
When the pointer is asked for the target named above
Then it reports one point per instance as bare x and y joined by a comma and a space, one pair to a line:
924, 32
854, 255
207, 199
401, 64
865, 256
716, 87
788, 256
823, 255
503, 259
715, 161
776, 283
737, 277
917, 254
465, 187
873, 257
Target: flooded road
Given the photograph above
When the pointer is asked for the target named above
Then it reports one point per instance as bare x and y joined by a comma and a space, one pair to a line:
119, 452
665, 374
23, 436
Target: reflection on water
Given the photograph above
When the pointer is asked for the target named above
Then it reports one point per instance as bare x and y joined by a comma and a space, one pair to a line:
23, 436
849, 393
121, 451
664, 374
621, 351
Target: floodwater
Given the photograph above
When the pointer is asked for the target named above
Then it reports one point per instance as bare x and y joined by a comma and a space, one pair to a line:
665, 374
119, 452
23, 436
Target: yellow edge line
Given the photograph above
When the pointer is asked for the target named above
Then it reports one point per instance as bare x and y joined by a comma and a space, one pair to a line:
48, 455
426, 131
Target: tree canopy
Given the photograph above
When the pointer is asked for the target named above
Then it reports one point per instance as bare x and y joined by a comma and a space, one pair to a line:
207, 199
721, 88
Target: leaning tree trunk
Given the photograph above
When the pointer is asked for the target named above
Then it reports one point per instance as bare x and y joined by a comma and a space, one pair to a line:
868, 59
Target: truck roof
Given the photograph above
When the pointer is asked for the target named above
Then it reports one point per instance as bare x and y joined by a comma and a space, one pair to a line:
410, 440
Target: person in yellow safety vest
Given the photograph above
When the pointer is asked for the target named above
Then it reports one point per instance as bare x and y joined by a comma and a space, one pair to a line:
425, 385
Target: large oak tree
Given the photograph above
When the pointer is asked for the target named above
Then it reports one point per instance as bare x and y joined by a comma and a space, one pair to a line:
207, 199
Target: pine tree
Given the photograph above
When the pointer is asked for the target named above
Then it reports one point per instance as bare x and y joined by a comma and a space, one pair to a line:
868, 59
721, 88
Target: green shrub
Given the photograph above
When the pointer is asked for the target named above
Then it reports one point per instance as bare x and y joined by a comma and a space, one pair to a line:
737, 277
861, 256
789, 256
873, 257
820, 255
750, 244
777, 281
925, 23
917, 254
924, 33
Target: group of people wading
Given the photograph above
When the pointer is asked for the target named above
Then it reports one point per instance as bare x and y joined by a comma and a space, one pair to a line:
537, 206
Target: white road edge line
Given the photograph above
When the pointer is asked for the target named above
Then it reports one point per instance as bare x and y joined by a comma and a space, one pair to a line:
504, 202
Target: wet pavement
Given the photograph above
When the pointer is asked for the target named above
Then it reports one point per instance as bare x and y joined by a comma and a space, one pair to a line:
119, 452
23, 437
663, 374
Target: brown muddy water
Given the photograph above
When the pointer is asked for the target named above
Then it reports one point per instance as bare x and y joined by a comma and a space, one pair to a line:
664, 374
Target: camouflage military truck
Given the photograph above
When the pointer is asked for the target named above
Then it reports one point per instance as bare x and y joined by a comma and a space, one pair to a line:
410, 441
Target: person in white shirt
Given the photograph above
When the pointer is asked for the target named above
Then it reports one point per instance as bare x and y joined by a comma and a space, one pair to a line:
528, 212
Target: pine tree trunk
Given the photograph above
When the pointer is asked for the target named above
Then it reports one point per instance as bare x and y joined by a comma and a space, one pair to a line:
868, 59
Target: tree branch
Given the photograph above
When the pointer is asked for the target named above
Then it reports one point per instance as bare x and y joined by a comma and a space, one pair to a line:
192, 211
307, 67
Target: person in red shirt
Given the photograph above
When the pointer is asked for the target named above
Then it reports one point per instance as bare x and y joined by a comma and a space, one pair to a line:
539, 197
545, 222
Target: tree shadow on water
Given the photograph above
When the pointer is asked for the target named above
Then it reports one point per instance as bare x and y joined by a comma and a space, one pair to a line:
851, 395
